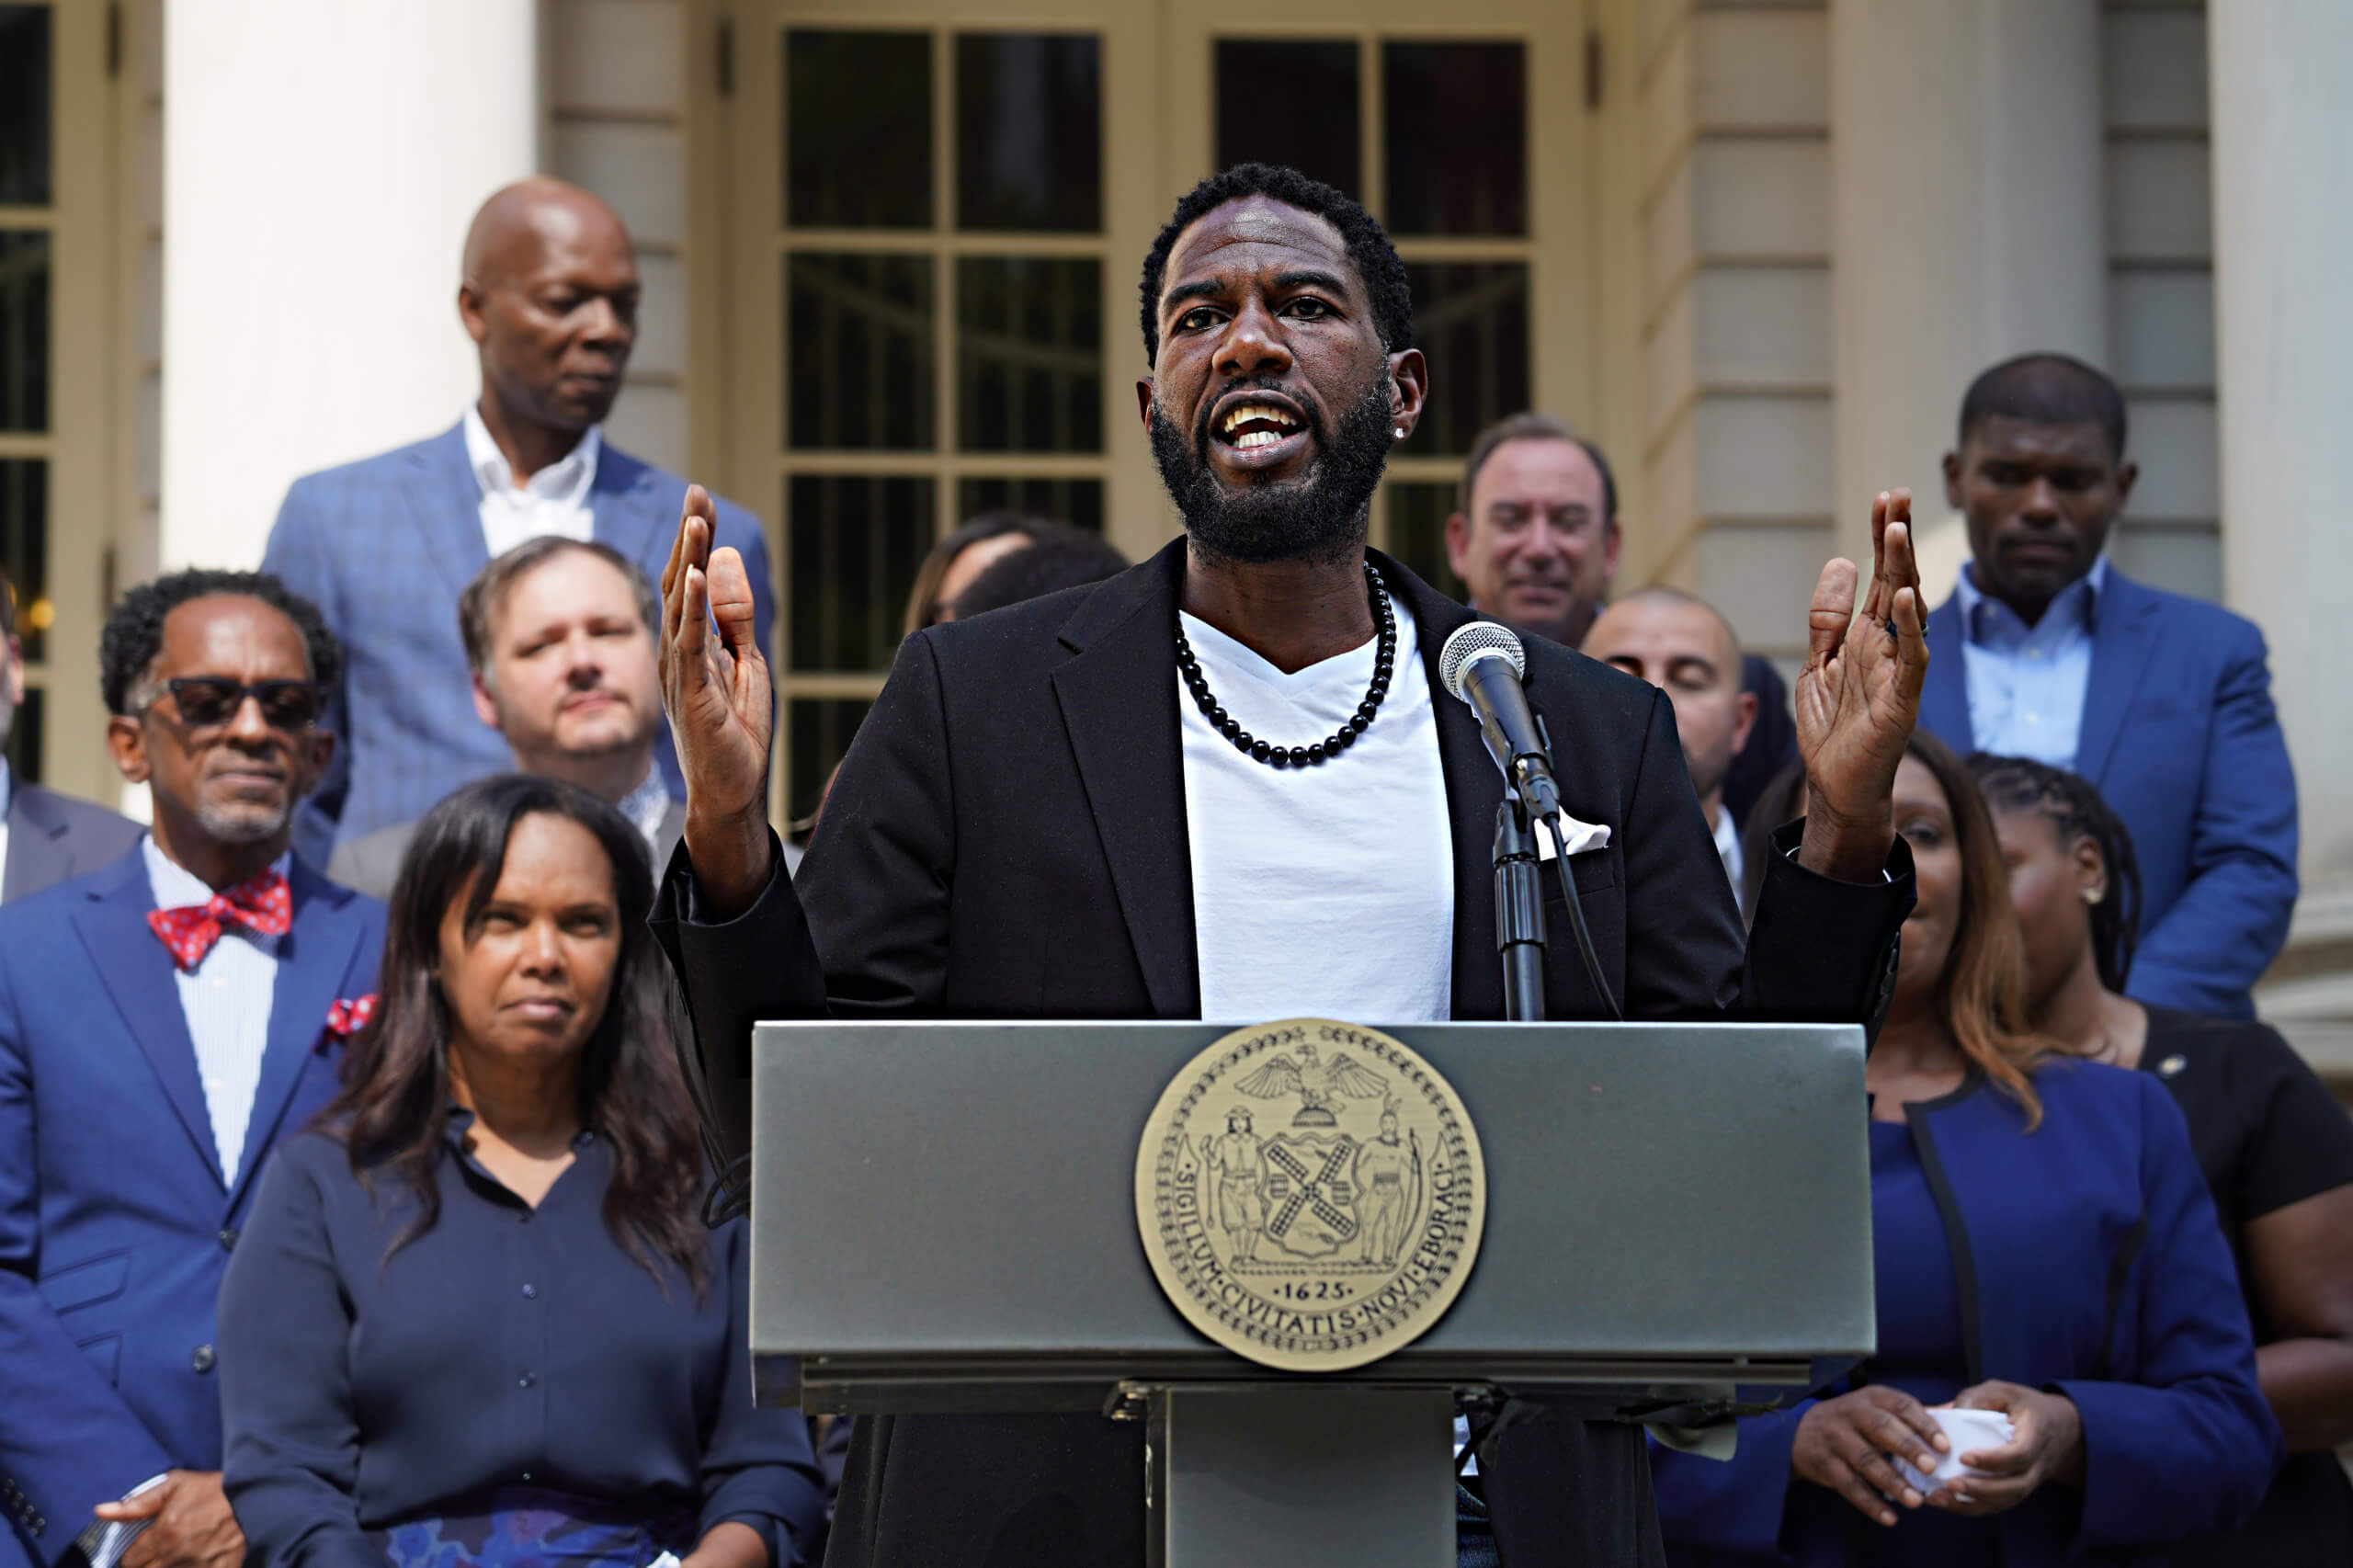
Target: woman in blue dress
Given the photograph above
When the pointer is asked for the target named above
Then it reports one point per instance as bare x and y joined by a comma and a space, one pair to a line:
2044, 1247
476, 1317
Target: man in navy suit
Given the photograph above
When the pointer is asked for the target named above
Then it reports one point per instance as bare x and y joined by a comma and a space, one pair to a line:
45, 838
163, 1022
2046, 649
385, 546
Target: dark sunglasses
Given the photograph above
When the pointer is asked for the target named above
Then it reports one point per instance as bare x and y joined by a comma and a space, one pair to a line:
206, 701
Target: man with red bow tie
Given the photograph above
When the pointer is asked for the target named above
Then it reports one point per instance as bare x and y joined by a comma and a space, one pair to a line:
163, 1022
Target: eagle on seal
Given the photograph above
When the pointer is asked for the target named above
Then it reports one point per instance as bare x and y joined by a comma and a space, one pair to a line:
1319, 1084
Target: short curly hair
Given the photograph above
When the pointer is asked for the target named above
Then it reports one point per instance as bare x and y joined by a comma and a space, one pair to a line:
1368, 244
134, 638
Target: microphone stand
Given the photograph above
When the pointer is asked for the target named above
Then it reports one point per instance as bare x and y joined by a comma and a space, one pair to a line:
1519, 912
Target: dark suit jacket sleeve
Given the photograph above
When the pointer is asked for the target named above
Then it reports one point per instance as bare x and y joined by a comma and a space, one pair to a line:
297, 556
67, 1441
2230, 922
1819, 951
875, 880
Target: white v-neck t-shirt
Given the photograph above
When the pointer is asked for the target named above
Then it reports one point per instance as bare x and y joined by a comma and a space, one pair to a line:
1325, 890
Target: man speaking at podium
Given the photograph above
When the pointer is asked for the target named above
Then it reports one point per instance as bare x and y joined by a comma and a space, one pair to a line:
1076, 809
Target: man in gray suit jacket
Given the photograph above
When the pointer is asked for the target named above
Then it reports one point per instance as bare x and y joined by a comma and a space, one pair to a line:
45, 838
559, 637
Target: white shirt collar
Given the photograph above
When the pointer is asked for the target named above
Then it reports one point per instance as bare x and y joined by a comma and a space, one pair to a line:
647, 804
176, 887
1728, 845
567, 480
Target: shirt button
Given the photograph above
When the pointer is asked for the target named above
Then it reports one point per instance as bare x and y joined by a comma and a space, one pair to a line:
530, 1292
525, 1380
201, 1359
228, 1239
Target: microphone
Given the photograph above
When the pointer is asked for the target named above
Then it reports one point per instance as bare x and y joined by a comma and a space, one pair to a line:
1482, 664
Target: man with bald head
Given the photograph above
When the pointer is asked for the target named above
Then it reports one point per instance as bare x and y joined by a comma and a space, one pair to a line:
1678, 643
549, 294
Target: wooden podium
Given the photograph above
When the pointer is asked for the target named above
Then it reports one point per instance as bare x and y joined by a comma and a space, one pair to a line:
944, 1221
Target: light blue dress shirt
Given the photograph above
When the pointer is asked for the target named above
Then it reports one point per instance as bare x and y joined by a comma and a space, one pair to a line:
2027, 683
227, 1000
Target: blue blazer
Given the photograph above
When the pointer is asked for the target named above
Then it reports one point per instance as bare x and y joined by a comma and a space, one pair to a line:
2181, 738
2089, 1262
384, 547
115, 1224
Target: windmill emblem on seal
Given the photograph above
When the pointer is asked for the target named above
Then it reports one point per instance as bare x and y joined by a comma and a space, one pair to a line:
1320, 1085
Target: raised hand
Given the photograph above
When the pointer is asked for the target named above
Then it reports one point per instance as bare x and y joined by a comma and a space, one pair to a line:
717, 693
1858, 697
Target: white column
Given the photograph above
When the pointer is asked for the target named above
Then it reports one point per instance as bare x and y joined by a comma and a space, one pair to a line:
323, 159
2281, 80
1965, 222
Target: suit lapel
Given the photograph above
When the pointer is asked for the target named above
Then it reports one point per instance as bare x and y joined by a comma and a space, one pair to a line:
1944, 702
38, 856
313, 964
444, 498
1474, 788
622, 496
1118, 695
2122, 639
136, 973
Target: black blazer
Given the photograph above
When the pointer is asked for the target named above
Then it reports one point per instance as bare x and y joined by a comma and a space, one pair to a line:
53, 838
1007, 839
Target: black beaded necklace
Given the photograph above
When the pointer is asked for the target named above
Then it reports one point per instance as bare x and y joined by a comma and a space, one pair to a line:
1384, 618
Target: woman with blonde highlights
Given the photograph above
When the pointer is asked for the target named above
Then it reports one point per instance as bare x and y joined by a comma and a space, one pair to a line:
2044, 1249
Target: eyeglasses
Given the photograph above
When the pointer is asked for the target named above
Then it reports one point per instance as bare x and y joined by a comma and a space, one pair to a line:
207, 700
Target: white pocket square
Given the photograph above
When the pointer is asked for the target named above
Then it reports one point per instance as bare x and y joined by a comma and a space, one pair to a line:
1581, 836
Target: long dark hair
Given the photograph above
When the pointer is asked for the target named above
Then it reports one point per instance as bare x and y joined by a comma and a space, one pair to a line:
1983, 990
393, 1112
2075, 809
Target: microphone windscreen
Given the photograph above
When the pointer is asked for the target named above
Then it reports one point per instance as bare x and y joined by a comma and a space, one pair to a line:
1468, 643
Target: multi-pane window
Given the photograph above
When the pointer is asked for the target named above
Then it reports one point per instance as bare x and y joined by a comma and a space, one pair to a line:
943, 256
26, 220
1432, 136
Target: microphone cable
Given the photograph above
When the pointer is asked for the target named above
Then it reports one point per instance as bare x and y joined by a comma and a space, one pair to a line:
1576, 919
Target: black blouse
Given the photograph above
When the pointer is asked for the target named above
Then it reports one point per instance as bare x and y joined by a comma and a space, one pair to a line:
2268, 1133
364, 1387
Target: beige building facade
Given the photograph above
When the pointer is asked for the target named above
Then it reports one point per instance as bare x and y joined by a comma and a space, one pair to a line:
891, 248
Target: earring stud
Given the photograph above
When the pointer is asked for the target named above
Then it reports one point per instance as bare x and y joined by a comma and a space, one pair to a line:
1401, 432
2094, 896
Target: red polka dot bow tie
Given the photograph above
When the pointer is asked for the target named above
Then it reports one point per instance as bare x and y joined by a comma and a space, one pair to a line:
261, 904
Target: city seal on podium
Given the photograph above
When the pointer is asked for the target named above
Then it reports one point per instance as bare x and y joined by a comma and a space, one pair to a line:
1311, 1194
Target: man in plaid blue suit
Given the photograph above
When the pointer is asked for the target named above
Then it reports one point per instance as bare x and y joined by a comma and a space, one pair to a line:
385, 546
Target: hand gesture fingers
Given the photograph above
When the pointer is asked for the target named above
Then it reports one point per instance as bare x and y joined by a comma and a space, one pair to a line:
728, 588
1831, 611
715, 689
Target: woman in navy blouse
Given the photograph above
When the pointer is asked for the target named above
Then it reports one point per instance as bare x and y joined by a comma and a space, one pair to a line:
476, 1318
2044, 1247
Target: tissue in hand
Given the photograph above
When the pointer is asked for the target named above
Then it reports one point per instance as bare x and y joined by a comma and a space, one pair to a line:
1969, 1432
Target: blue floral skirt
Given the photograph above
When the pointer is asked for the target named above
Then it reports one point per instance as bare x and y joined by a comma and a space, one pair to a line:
529, 1527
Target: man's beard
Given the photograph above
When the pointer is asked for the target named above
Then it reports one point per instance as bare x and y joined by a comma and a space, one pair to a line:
244, 821
1319, 517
